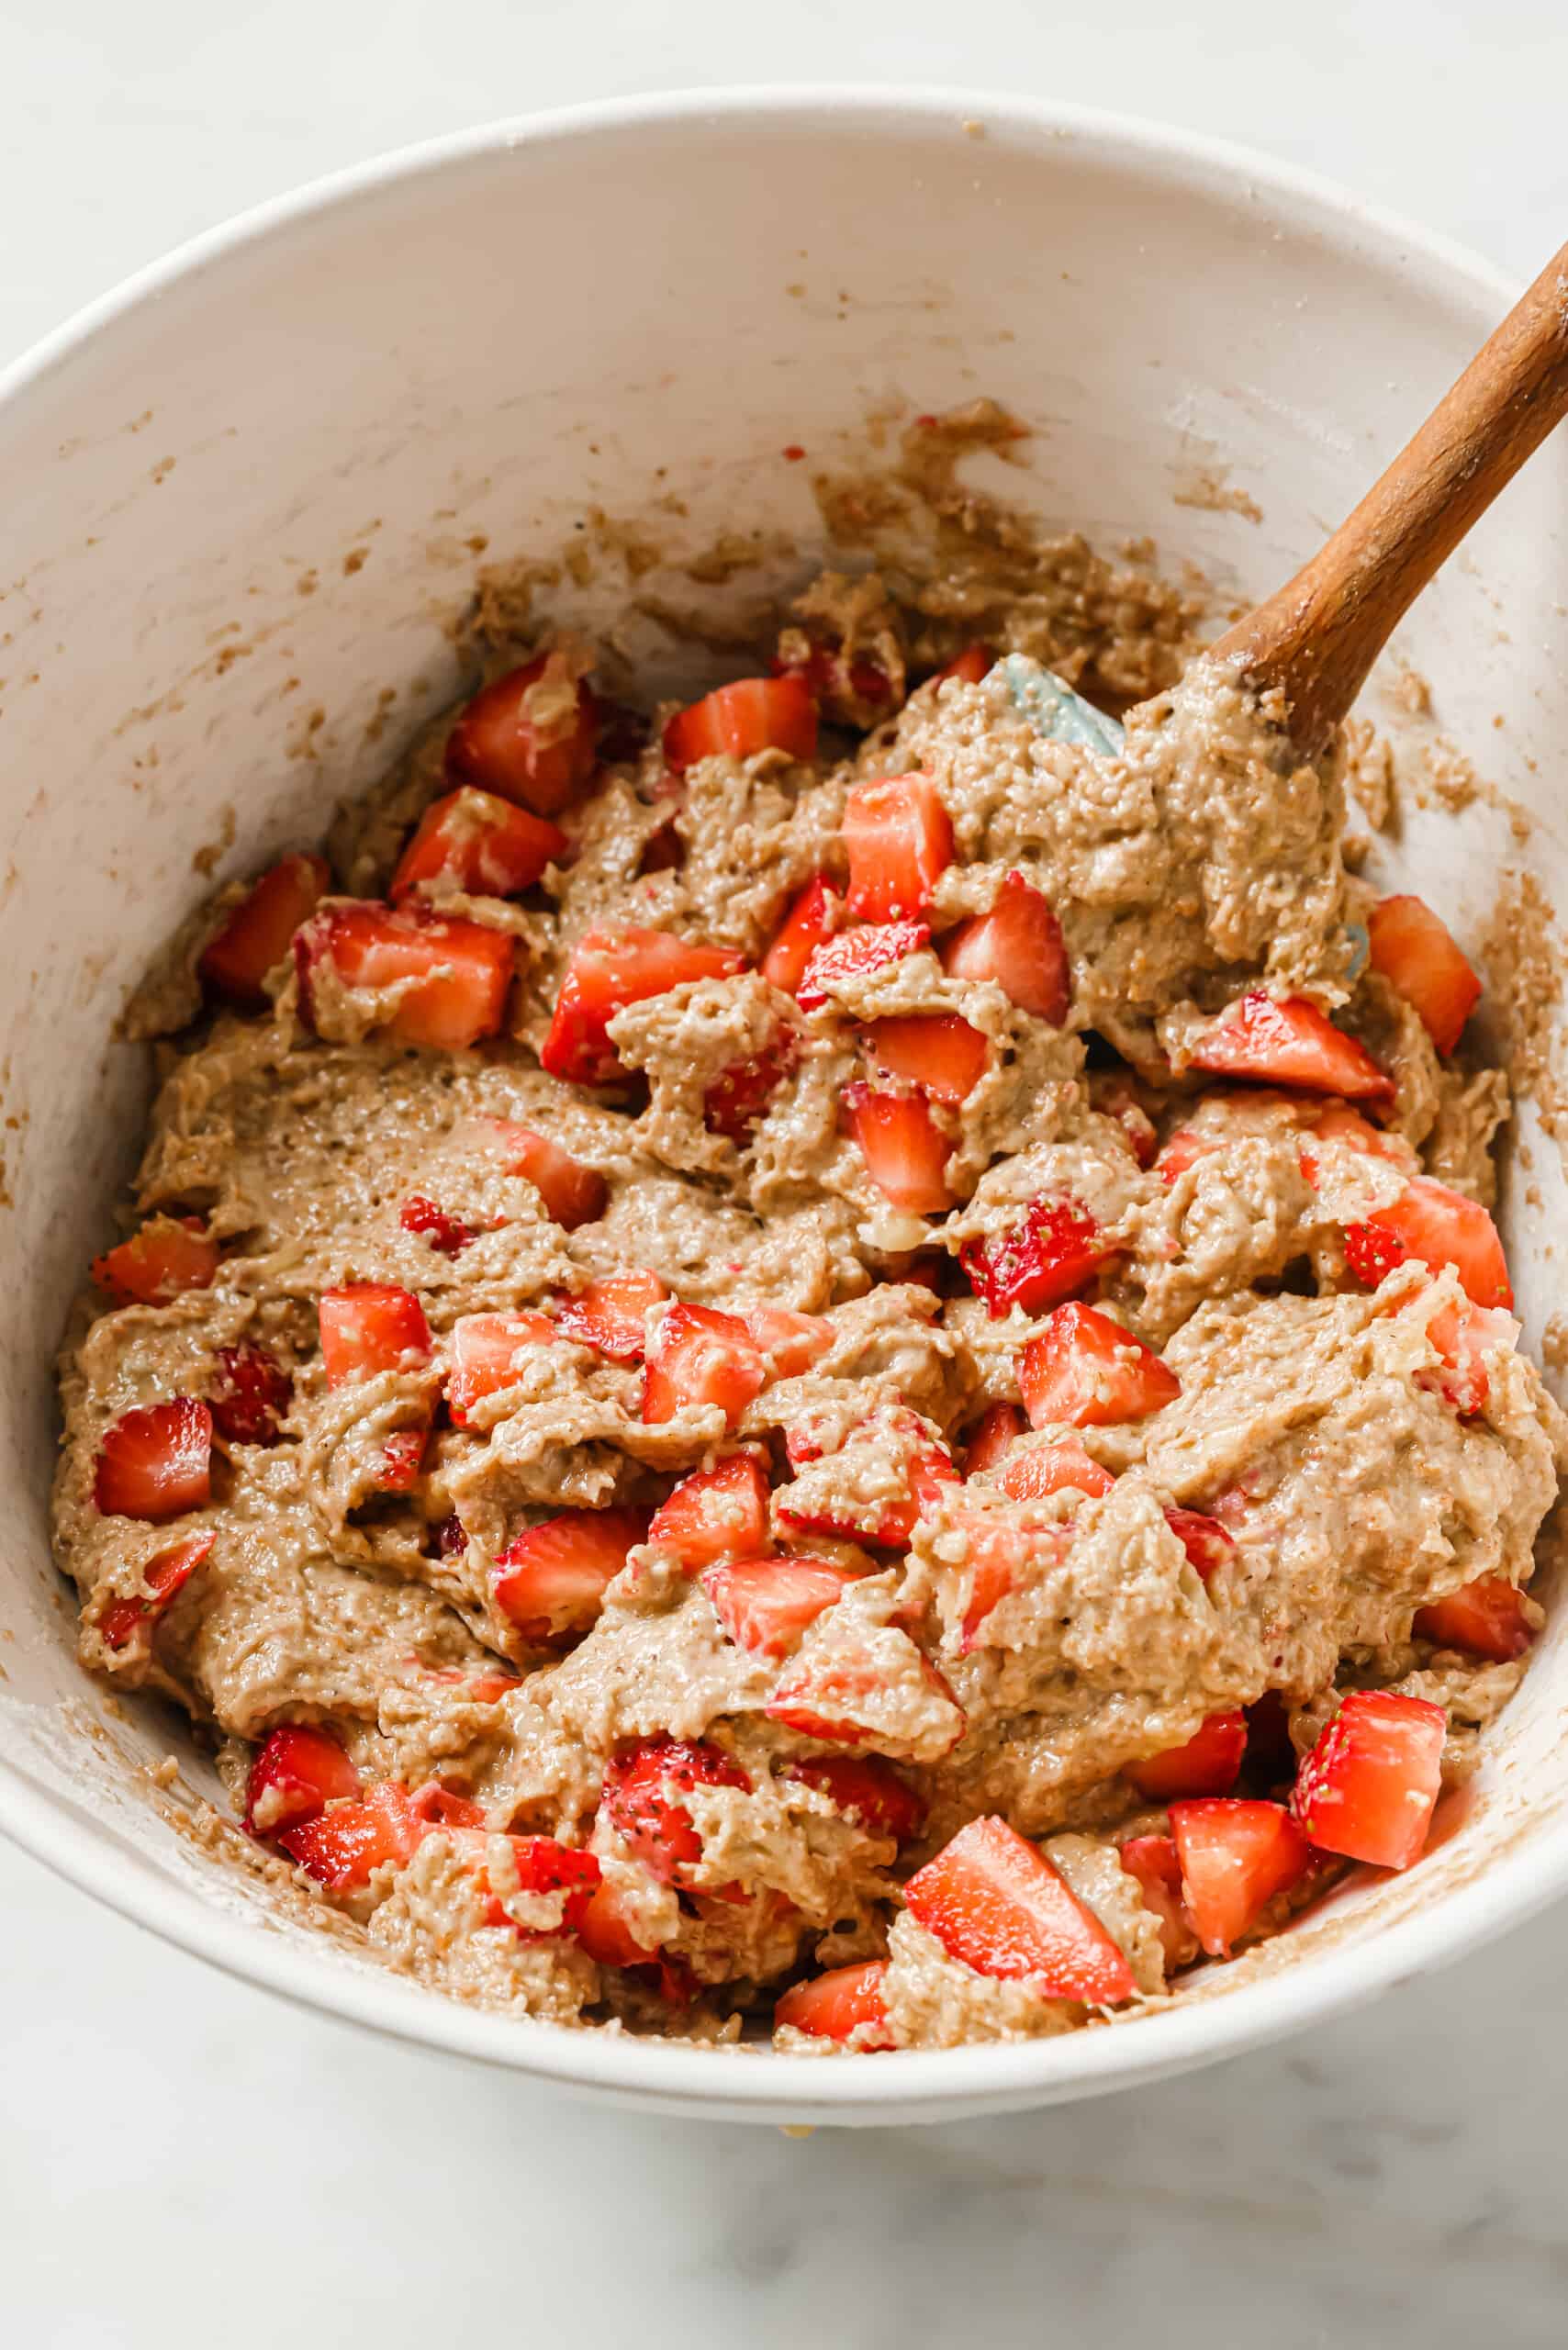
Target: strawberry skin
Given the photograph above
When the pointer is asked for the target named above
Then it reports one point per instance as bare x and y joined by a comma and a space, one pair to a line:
608, 971
296, 1775
810, 922
611, 1314
529, 737
701, 1357
998, 1906
368, 1327
736, 721
1208, 1764
552, 1577
1288, 1041
1052, 1251
460, 971
905, 1151
844, 2004
129, 1622
571, 1194
1019, 946
168, 1255
1485, 1619
256, 936
156, 1462
1416, 953
1085, 1371
855, 953
478, 844
641, 1800
899, 840
1369, 1786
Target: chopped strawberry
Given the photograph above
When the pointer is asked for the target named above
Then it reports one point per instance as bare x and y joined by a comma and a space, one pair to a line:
552, 1577
1114, 1095
156, 1462
754, 714
737, 1099
1416, 955
1338, 1123
844, 2004
1369, 1785
130, 1620
540, 1867
451, 1536
472, 842
1236, 1857
1182, 1149
256, 938
608, 971
1003, 1558
699, 1358
714, 1513
402, 1458
1053, 1250
841, 684
855, 955
1271, 1042
1019, 946
898, 839
642, 1787
1465, 1335
975, 662
168, 1255
1439, 1227
904, 1149
422, 1220
791, 1342
529, 737
1207, 1543
489, 1354
997, 1905
571, 1194
867, 1790
765, 1604
1485, 1619
1000, 1426
611, 1314
1037, 1470
342, 1848
855, 1500
438, 1808
1206, 1766
1085, 1371
250, 1394
938, 1051
1153, 1860
606, 1928
857, 1695
368, 1327
810, 922
449, 977
297, 1773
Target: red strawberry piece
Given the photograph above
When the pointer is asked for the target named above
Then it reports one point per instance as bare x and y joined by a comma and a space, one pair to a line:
765, 1604
454, 974
451, 1536
714, 1513
898, 839
642, 1801
250, 1394
1339, 1123
839, 683
402, 1457
1207, 1543
529, 737
571, 1194
297, 1773
156, 1462
938, 1051
867, 1790
857, 1504
1369, 1785
611, 1314
855, 955
997, 1905
1153, 1860
540, 1866
130, 1620
1002, 1559
1416, 955
368, 1327
342, 1847
737, 1099
1236, 1857
736, 721
1439, 1227
812, 920
1207, 1764
1465, 1335
1053, 1250
700, 1358
842, 1699
1000, 1426
552, 1577
1037, 1470
904, 1149
791, 1342
255, 937
975, 662
1288, 1041
1019, 946
1485, 1619
607, 1929
1182, 1149
608, 971
168, 1255
438, 1807
1085, 1371
489, 1353
423, 1220
845, 2004
472, 842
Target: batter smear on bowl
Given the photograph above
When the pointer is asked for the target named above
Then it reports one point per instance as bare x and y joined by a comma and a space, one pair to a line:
834, 1356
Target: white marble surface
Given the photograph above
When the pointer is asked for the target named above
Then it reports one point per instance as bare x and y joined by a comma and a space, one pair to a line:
184, 2162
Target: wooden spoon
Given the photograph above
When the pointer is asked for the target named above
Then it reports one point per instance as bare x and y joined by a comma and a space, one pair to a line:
1318, 637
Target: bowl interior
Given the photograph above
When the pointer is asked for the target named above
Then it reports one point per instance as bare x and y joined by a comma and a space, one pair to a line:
244, 510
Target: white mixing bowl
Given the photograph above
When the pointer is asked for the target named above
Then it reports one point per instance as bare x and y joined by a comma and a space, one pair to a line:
237, 500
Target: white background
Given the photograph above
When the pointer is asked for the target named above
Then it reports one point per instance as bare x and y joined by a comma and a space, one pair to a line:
184, 2162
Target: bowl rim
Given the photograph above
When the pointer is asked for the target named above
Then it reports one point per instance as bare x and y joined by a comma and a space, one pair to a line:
747, 2083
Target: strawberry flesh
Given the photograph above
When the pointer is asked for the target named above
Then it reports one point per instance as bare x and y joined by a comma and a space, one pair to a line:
998, 1906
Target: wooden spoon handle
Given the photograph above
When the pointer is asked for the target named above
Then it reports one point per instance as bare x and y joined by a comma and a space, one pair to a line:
1319, 635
